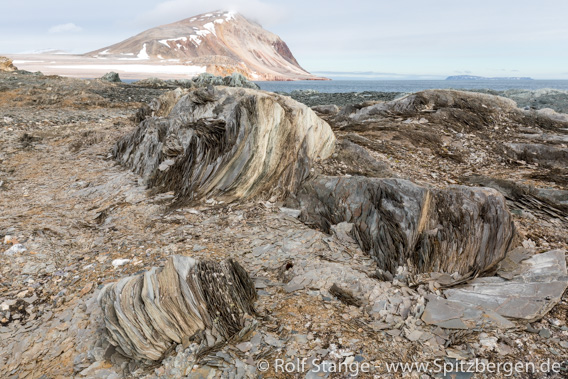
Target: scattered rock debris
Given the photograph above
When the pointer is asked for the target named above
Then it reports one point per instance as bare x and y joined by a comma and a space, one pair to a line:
76, 212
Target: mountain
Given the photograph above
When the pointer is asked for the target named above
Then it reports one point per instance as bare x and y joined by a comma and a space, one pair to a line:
219, 42
472, 77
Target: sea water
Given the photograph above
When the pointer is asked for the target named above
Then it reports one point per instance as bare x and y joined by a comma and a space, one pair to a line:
332, 86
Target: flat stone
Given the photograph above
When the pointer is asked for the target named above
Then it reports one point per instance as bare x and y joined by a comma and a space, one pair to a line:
529, 295
414, 335
450, 314
261, 250
244, 346
438, 311
545, 333
271, 340
15, 249
120, 262
296, 284
394, 332
294, 213
453, 324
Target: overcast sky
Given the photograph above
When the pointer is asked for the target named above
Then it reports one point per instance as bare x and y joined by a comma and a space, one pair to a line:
382, 39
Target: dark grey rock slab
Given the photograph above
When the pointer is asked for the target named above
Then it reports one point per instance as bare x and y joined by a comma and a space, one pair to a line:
538, 286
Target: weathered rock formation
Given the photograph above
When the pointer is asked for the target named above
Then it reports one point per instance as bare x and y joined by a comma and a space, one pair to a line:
536, 285
545, 202
112, 77
228, 143
445, 104
201, 80
145, 314
233, 80
6, 64
468, 111
459, 229
546, 155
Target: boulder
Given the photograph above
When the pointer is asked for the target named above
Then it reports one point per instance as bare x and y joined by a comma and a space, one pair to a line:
152, 83
330, 109
546, 203
146, 313
234, 80
6, 65
111, 77
228, 143
547, 155
458, 229
206, 79
464, 106
551, 113
239, 80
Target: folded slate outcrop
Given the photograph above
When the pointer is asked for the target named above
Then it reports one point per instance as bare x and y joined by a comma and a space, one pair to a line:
458, 110
228, 143
458, 229
546, 155
7, 65
474, 109
145, 314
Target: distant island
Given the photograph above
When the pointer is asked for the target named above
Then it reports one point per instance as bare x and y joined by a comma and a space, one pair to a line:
472, 77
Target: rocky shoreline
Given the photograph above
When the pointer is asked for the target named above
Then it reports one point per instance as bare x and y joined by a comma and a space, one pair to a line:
557, 100
375, 230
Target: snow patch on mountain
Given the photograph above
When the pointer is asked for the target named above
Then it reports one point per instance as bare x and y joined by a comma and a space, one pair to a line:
143, 54
211, 27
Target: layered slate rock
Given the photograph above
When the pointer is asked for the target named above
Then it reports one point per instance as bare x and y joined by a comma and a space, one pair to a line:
475, 109
233, 80
552, 156
145, 314
7, 65
459, 110
112, 77
526, 289
459, 229
544, 202
228, 143
536, 286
